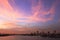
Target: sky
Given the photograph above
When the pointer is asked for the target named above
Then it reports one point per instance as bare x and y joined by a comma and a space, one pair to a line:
29, 13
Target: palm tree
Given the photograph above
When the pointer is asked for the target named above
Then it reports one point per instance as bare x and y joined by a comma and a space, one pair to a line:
37, 32
54, 32
48, 33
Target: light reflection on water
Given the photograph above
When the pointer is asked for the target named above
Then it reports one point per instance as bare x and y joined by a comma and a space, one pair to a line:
27, 38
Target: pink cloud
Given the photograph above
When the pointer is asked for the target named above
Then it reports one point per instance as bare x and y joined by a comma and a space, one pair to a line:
8, 13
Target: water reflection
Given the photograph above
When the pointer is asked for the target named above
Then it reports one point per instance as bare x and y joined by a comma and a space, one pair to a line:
27, 38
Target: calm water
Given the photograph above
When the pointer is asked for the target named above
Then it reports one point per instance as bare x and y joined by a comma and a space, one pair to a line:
27, 38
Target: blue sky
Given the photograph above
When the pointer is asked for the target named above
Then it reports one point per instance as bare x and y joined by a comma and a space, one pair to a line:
24, 12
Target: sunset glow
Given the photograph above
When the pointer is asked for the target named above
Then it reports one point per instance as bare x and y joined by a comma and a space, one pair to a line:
31, 13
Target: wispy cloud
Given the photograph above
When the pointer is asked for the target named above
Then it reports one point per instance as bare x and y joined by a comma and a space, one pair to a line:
7, 12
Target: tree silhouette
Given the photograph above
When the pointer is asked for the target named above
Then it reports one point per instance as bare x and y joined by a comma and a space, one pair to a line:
37, 32
54, 32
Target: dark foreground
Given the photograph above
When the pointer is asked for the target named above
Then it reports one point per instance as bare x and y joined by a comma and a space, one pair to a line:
18, 37
41, 35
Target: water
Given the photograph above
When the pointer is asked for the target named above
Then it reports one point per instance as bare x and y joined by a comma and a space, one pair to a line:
27, 38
